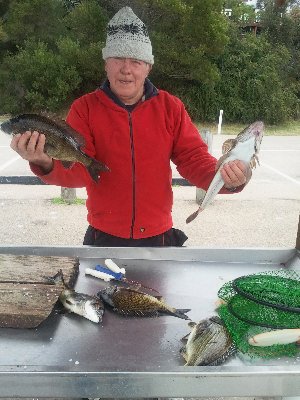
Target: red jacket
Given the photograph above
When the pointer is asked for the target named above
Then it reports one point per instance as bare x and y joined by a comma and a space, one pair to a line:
135, 198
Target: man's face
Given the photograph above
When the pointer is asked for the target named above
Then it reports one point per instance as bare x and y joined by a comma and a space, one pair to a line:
126, 77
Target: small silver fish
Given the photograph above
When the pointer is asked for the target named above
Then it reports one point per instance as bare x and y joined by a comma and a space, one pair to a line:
87, 306
208, 343
245, 147
131, 302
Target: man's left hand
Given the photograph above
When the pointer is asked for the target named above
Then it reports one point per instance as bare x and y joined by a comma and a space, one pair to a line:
235, 173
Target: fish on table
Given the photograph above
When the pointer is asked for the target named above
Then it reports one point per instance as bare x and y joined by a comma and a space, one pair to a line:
132, 302
62, 142
90, 307
245, 147
208, 343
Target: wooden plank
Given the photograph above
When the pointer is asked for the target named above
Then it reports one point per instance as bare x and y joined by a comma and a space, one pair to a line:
26, 297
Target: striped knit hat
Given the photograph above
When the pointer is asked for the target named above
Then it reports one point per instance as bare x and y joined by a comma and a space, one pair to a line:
127, 37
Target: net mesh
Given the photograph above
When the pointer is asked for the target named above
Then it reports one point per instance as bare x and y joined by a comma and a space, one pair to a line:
258, 303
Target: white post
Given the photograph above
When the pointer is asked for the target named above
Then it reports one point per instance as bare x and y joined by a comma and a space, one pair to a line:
220, 122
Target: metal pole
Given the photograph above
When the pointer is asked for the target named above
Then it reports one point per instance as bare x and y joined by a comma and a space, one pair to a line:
68, 194
298, 236
220, 122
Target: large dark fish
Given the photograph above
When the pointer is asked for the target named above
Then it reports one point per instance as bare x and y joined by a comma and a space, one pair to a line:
87, 306
208, 343
131, 302
244, 147
62, 142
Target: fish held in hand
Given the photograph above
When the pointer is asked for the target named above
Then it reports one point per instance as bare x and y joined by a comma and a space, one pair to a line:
131, 302
62, 142
245, 147
208, 343
87, 306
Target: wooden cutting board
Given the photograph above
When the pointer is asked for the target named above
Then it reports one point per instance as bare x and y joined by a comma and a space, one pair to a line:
26, 297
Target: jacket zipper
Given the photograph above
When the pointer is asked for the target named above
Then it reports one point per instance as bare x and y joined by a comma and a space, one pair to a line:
133, 175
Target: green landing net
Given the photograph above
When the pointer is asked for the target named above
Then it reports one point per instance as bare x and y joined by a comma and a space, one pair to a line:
259, 303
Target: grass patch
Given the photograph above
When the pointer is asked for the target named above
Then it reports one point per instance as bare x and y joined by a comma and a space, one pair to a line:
4, 118
60, 201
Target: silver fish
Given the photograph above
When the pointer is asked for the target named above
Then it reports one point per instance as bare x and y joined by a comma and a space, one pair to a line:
208, 343
245, 147
87, 306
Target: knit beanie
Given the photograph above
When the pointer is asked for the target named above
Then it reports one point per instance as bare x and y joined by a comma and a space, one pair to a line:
127, 37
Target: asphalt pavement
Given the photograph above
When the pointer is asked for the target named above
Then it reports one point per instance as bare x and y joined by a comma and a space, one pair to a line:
265, 214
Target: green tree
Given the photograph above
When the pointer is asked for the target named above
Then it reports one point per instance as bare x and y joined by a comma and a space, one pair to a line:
254, 84
87, 23
36, 79
35, 20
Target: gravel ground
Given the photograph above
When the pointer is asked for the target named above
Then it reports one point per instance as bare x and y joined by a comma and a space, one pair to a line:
28, 217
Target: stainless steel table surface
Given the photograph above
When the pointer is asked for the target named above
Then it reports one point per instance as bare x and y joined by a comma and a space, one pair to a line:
69, 356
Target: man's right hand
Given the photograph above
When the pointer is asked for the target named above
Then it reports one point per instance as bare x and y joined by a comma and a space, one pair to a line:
30, 146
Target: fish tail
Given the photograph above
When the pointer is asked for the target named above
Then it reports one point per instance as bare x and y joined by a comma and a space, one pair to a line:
180, 313
194, 215
95, 167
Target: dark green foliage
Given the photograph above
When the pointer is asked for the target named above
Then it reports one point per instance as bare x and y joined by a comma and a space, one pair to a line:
50, 53
87, 23
254, 84
35, 79
36, 20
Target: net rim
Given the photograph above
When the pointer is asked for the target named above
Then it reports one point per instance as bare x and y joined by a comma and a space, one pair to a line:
259, 301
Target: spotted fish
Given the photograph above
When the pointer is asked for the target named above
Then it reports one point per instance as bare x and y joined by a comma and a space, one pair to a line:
62, 142
131, 302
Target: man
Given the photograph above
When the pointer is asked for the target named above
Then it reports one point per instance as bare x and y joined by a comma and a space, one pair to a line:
135, 129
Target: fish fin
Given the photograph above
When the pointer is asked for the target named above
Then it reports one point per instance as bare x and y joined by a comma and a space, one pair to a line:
193, 216
217, 320
221, 161
67, 164
137, 313
185, 338
180, 313
95, 168
182, 351
183, 310
228, 145
160, 298
56, 279
253, 161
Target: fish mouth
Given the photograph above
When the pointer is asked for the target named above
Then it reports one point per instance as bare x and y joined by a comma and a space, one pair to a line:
6, 127
258, 128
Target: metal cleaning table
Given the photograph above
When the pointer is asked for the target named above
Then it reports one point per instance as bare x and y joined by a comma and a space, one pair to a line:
69, 356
